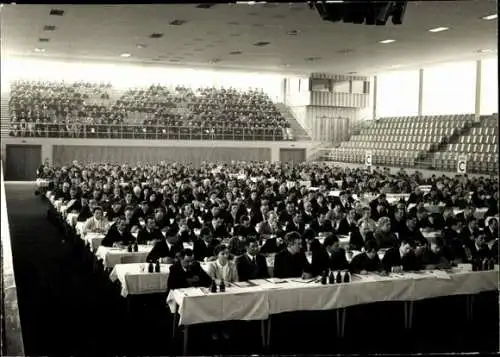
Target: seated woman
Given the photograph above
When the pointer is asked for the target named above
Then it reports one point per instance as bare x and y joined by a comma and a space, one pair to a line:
97, 223
368, 260
222, 268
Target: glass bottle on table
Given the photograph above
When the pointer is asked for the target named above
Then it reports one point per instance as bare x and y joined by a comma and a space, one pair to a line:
213, 287
331, 278
347, 277
129, 248
222, 286
151, 267
324, 277
136, 247
157, 266
338, 278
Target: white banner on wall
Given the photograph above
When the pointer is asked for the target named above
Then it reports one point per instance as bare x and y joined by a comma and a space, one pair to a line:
368, 158
462, 164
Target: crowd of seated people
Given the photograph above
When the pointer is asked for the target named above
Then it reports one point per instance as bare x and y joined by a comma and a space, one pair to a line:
233, 214
58, 109
157, 112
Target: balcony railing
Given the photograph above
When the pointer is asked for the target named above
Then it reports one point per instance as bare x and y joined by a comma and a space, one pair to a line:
150, 132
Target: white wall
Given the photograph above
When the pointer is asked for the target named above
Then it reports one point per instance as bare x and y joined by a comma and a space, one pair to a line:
446, 89
449, 89
124, 76
397, 93
489, 87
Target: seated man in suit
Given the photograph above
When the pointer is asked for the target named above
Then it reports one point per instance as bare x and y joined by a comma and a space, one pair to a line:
435, 255
186, 272
252, 264
401, 258
329, 257
368, 261
491, 229
222, 269
480, 249
118, 234
360, 236
166, 248
292, 262
204, 246
149, 234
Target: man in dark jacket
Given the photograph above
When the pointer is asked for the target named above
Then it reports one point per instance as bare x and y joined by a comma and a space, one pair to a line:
166, 248
252, 264
291, 262
187, 272
402, 256
329, 257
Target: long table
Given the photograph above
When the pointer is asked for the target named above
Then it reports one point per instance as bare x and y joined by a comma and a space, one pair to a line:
264, 299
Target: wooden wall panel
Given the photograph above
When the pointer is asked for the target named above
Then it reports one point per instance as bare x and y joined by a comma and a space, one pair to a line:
63, 155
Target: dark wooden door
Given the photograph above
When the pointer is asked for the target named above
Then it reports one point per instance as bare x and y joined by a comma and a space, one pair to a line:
293, 155
22, 162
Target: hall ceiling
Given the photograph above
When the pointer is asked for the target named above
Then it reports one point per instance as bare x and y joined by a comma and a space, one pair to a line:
262, 37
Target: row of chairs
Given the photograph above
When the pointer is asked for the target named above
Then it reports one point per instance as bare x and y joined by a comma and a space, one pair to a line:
489, 130
389, 146
404, 133
456, 117
473, 148
395, 138
379, 157
478, 139
424, 124
476, 163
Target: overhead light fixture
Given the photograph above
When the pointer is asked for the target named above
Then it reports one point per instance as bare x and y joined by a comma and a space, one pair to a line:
394, 66
490, 17
141, 45
486, 50
387, 41
125, 55
439, 29
39, 50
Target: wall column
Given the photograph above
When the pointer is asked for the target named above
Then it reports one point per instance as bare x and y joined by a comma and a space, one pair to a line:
374, 114
477, 107
420, 91
48, 152
275, 153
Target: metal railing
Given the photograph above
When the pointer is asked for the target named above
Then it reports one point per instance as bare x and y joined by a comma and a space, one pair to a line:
148, 132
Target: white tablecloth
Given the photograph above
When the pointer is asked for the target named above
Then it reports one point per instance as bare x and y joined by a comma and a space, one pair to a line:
135, 281
259, 302
94, 240
112, 256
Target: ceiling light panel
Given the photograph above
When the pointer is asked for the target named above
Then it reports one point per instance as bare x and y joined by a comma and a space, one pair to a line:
439, 29
490, 17
387, 41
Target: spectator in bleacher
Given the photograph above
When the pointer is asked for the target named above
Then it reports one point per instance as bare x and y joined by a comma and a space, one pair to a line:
491, 229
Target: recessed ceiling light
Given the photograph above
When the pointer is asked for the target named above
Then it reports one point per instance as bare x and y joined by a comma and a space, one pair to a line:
387, 41
439, 29
39, 50
490, 17
125, 54
141, 45
486, 50
396, 66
